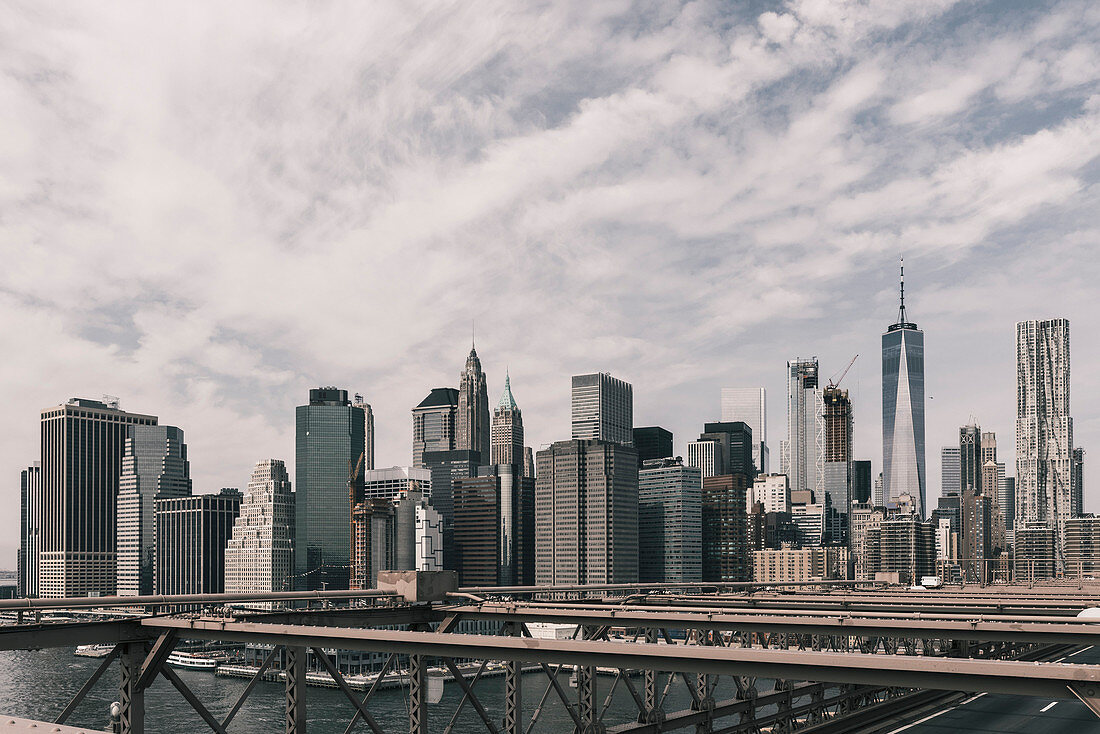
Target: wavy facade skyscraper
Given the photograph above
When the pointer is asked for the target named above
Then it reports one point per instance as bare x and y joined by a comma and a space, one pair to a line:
1044, 428
903, 464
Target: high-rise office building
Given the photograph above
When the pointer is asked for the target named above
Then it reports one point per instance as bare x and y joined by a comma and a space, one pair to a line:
902, 545
725, 554
603, 409
30, 529
82, 446
652, 442
989, 447
473, 429
586, 513
804, 452
1083, 547
329, 443
1078, 479
154, 466
446, 468
750, 405
706, 456
1007, 501
435, 424
259, 556
528, 462
723, 448
393, 482
507, 435
970, 457
772, 492
976, 535
669, 522
861, 481
837, 469
903, 470
494, 529
393, 524
192, 534
1044, 429
368, 431
950, 471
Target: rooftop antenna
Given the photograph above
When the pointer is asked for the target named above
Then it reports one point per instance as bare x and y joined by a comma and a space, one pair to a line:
901, 312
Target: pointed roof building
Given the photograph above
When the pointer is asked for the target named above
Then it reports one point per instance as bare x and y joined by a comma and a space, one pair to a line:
473, 408
507, 428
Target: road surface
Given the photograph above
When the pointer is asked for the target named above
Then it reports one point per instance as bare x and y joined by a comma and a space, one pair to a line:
988, 713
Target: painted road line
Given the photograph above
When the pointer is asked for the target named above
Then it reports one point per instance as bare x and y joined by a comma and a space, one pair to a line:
938, 713
1083, 649
1048, 707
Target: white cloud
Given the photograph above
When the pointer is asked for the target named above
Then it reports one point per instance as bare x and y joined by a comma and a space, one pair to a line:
207, 210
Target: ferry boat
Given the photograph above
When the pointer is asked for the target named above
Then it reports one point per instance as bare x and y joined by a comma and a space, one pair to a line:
193, 660
94, 651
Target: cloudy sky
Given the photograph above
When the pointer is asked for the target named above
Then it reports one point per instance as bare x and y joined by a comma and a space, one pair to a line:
208, 208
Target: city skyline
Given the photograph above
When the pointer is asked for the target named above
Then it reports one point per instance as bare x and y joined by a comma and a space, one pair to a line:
209, 262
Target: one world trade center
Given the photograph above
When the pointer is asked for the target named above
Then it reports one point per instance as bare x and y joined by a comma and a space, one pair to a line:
903, 410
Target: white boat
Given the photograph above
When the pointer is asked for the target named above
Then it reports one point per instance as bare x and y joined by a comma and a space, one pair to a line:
193, 660
94, 651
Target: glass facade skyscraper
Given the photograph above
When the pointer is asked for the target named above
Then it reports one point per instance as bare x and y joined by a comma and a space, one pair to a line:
328, 442
154, 466
749, 405
903, 411
82, 446
803, 455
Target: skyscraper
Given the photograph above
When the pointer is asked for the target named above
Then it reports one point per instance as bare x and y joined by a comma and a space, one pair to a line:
30, 529
950, 471
473, 430
434, 423
1044, 429
725, 554
749, 405
903, 410
970, 457
723, 448
192, 533
1078, 482
329, 442
154, 466
603, 409
989, 447
837, 470
259, 556
82, 446
861, 481
652, 442
586, 513
804, 454
368, 432
507, 435
494, 530
669, 522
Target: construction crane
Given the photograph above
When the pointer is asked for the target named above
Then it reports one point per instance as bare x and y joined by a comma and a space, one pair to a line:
835, 384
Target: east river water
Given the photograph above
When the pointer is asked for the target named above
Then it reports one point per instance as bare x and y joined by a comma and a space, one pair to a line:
38, 685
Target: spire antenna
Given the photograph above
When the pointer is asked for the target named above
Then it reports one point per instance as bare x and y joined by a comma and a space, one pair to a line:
902, 316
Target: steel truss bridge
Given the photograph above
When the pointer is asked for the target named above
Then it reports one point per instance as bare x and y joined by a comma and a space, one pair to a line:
813, 658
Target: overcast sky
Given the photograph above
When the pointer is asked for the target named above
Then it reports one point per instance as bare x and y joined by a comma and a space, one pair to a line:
208, 208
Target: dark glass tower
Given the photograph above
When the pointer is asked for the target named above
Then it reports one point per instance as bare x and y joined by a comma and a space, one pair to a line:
903, 410
328, 442
652, 442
